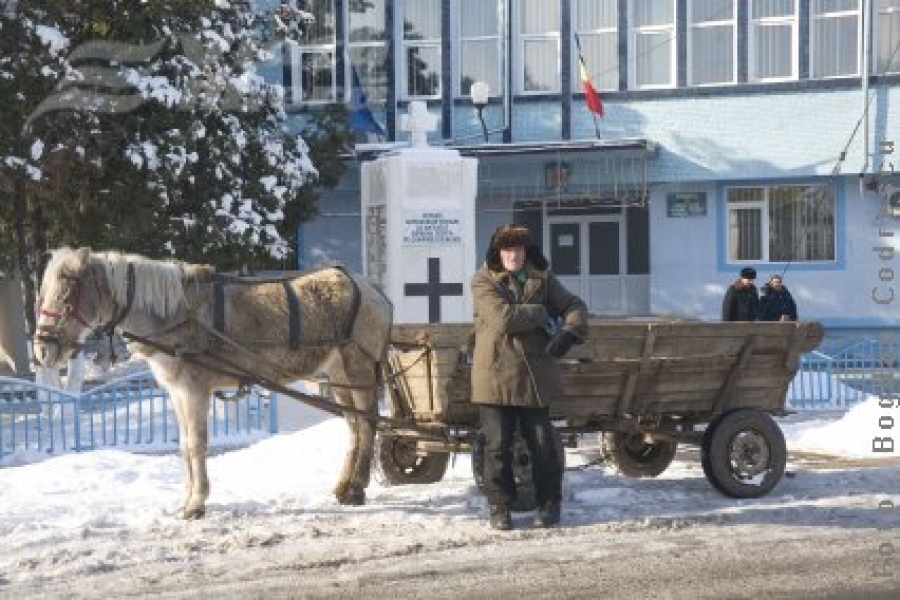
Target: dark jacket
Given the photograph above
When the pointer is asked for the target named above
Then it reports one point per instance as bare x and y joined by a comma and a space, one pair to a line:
740, 303
772, 304
509, 366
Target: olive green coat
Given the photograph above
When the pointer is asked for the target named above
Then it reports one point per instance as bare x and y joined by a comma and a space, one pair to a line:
509, 366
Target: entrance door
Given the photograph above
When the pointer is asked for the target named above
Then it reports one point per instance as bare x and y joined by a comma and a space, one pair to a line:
589, 255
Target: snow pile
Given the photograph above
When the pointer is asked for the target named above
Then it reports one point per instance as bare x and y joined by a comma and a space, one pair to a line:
850, 435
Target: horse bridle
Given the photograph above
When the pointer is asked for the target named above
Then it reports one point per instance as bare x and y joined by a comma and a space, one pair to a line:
56, 332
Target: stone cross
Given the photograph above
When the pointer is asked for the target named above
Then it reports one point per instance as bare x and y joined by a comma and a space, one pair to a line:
418, 123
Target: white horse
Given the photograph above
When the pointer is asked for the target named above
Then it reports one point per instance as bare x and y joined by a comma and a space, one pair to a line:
221, 327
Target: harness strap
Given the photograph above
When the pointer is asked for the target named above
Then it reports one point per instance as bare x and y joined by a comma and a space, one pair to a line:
293, 315
219, 305
110, 327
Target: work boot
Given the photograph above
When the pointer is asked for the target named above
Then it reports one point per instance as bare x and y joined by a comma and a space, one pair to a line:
500, 517
548, 514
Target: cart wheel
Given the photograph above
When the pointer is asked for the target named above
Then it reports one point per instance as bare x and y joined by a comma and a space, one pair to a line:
397, 462
743, 453
634, 456
525, 497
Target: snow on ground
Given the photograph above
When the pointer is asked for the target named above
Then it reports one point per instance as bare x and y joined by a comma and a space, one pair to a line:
70, 517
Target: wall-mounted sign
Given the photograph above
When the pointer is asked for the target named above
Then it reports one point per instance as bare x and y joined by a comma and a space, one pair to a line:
440, 227
686, 204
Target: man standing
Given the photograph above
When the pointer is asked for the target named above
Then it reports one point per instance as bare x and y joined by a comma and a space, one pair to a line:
515, 374
741, 302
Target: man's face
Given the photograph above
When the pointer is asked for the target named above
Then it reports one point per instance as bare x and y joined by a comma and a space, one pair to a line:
775, 283
513, 258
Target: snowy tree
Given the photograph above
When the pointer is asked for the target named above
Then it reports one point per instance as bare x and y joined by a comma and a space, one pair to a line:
143, 126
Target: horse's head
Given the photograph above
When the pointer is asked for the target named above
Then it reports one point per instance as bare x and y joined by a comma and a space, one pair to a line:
67, 306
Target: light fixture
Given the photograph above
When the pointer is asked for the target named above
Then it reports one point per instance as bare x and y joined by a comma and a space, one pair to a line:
479, 93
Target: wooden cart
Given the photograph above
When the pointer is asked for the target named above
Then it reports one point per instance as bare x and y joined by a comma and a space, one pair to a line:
647, 385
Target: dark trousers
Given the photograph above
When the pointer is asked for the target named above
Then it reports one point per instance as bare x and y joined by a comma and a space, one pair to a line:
498, 423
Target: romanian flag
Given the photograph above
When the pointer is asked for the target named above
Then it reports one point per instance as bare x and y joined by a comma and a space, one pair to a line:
591, 97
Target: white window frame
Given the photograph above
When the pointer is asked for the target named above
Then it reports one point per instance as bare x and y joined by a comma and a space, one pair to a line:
755, 22
497, 40
373, 96
587, 34
814, 16
296, 51
692, 27
521, 41
405, 46
635, 31
880, 13
763, 207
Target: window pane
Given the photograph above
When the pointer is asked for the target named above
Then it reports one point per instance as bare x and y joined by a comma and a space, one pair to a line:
745, 234
711, 10
479, 60
478, 17
322, 30
603, 244
835, 43
312, 76
367, 21
888, 42
565, 248
653, 12
773, 51
422, 19
757, 194
423, 70
539, 16
596, 14
712, 55
822, 6
541, 66
653, 56
772, 8
801, 223
371, 67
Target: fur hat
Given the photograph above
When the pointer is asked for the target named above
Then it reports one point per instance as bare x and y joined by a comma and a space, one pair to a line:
512, 235
748, 273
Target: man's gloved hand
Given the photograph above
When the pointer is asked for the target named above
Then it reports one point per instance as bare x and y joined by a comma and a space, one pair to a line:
561, 343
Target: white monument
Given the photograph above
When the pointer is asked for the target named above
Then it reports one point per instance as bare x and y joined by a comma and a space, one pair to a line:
419, 226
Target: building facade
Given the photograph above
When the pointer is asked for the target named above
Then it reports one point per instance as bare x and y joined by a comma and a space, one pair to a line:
734, 133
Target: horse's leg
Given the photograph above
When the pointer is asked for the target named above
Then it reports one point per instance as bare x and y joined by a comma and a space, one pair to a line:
177, 401
193, 425
355, 474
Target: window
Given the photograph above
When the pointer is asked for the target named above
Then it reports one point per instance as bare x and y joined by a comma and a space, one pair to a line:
597, 26
312, 59
888, 36
711, 41
834, 38
367, 48
422, 48
780, 223
652, 43
479, 45
539, 46
773, 40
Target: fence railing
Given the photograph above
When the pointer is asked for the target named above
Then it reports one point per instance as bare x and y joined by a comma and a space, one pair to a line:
132, 411
866, 368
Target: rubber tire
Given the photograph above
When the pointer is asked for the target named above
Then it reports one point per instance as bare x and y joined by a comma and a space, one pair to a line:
647, 460
715, 452
525, 495
397, 464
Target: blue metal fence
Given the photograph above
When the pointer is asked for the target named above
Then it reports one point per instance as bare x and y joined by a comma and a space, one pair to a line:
132, 411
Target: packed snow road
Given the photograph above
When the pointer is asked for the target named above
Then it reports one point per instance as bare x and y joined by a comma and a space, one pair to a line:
102, 525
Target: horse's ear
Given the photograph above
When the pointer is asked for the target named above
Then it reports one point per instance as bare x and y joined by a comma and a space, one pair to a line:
82, 255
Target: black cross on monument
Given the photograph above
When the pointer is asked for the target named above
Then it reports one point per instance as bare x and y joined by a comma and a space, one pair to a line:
434, 289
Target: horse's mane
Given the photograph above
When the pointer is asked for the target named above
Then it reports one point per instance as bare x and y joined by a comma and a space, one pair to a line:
158, 284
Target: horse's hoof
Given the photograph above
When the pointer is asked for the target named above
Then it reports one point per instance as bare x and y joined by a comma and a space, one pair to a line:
353, 498
194, 513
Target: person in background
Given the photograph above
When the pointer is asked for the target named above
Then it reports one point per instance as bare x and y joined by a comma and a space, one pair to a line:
776, 303
515, 374
741, 301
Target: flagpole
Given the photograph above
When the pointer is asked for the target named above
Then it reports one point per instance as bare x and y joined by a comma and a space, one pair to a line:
581, 62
